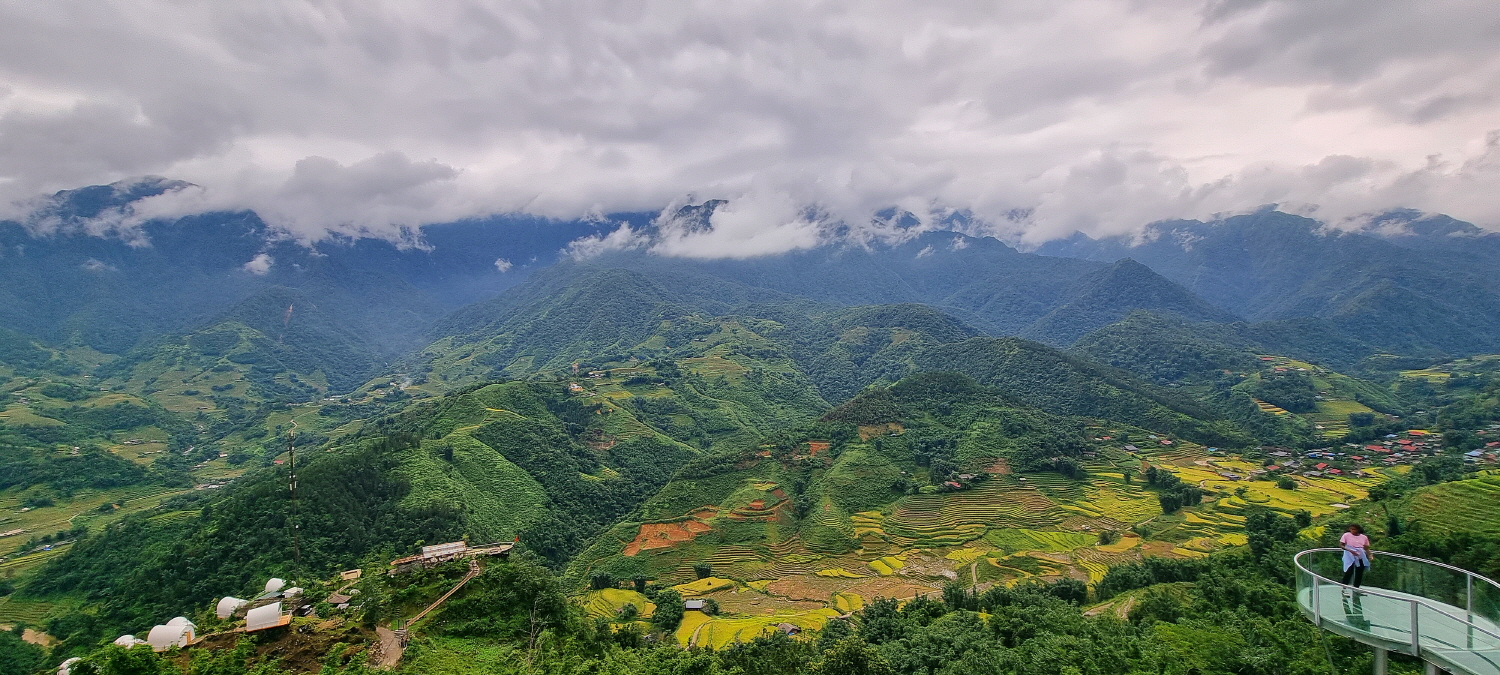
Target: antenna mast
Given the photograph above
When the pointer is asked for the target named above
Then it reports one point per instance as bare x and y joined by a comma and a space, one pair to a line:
291, 448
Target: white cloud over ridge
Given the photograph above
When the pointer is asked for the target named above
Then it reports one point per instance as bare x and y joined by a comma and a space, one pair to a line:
260, 264
373, 118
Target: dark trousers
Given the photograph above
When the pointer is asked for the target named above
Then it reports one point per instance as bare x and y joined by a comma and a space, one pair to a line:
1357, 571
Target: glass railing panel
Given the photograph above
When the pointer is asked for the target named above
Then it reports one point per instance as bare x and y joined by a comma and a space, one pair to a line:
1486, 600
1419, 578
1441, 629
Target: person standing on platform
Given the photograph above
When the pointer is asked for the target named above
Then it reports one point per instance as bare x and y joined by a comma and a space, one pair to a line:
1356, 545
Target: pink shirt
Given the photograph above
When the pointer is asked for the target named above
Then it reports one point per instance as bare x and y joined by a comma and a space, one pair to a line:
1355, 541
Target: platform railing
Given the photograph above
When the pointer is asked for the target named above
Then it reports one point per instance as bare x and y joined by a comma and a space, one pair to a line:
1442, 609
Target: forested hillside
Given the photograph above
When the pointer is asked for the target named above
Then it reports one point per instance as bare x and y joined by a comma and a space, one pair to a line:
490, 464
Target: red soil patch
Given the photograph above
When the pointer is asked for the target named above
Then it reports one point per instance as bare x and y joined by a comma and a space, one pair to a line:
1001, 467
667, 535
758, 505
815, 447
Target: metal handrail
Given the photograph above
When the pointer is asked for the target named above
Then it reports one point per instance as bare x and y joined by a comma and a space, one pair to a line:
1424, 561
1414, 600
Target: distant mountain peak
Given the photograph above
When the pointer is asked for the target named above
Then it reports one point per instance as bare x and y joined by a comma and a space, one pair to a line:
95, 201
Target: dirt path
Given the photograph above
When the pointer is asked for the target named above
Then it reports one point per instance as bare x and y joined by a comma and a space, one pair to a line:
33, 636
388, 650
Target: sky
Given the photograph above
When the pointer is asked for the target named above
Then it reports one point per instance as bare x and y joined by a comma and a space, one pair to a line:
1036, 119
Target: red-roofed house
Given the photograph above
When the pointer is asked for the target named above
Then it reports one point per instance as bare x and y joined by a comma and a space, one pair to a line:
1320, 466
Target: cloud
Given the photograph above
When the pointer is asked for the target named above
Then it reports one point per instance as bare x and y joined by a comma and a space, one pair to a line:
260, 264
93, 265
503, 265
753, 225
622, 238
375, 118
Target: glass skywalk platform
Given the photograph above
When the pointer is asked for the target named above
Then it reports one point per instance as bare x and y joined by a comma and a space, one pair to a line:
1444, 615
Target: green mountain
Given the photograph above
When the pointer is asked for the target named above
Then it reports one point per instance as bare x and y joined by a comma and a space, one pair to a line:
490, 464
1053, 381
980, 280
1107, 296
1424, 290
1169, 350
605, 317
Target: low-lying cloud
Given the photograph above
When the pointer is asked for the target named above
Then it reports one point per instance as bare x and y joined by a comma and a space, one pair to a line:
1034, 119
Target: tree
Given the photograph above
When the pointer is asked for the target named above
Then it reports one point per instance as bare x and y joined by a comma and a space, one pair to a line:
1158, 603
1286, 483
852, 656
703, 570
1265, 528
1107, 537
1071, 590
114, 660
601, 581
668, 614
956, 597
17, 655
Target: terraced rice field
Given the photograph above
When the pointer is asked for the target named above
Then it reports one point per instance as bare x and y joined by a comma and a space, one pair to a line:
1124, 503
13, 611
704, 586
1269, 408
608, 602
1333, 416
954, 518
1019, 540
1467, 504
718, 632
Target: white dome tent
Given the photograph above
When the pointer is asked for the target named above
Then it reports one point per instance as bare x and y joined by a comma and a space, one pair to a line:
266, 616
275, 585
128, 641
228, 606
175, 633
